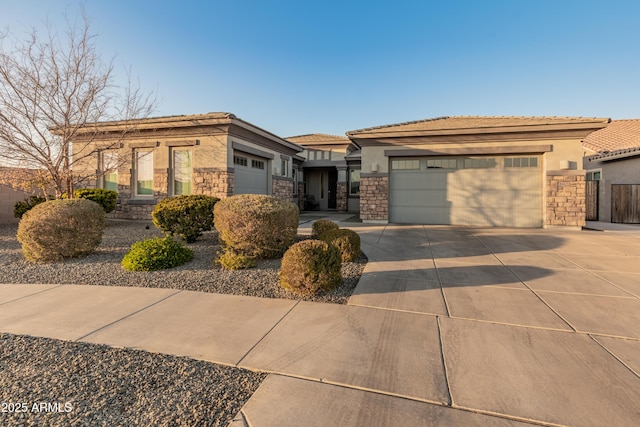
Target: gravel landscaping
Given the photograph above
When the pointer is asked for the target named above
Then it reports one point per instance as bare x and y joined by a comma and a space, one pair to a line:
103, 267
83, 384
106, 386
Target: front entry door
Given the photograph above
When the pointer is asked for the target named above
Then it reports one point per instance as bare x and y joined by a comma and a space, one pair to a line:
332, 187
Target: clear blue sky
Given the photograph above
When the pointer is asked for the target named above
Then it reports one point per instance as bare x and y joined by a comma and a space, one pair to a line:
306, 66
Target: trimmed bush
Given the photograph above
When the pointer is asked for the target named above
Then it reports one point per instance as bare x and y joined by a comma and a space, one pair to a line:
347, 241
105, 198
185, 216
256, 225
60, 229
158, 253
24, 206
230, 260
321, 226
310, 267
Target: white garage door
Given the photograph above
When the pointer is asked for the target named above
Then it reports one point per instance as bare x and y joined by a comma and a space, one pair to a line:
250, 174
485, 191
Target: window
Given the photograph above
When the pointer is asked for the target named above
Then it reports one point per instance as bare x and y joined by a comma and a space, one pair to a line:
441, 164
109, 169
284, 167
405, 164
521, 162
239, 160
257, 164
594, 175
354, 182
486, 163
294, 174
181, 169
143, 171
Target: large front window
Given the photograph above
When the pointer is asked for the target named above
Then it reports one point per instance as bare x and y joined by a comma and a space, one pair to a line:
182, 168
109, 169
144, 173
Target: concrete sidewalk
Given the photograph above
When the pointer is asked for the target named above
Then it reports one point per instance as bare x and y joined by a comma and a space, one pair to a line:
448, 326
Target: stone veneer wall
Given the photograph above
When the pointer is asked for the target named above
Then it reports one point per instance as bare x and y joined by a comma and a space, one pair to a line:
374, 197
341, 197
566, 199
212, 182
282, 188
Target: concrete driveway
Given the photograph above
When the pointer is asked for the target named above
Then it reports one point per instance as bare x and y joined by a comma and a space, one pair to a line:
458, 326
447, 326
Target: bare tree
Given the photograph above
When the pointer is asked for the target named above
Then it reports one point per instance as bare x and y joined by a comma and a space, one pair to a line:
54, 92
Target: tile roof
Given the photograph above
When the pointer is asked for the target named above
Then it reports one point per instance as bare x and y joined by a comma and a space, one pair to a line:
619, 135
318, 138
453, 123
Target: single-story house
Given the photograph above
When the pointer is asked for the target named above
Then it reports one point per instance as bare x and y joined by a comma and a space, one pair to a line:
331, 172
480, 171
217, 154
612, 164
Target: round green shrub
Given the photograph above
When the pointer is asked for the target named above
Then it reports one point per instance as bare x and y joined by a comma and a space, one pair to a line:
105, 198
347, 241
321, 226
185, 216
256, 225
60, 229
311, 266
230, 260
21, 208
158, 253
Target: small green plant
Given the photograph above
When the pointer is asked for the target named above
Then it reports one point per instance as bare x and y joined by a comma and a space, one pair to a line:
105, 198
230, 260
310, 267
156, 254
59, 229
256, 225
347, 241
185, 216
24, 206
321, 226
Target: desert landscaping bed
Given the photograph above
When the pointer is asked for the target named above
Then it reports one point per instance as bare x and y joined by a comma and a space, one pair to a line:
103, 267
88, 384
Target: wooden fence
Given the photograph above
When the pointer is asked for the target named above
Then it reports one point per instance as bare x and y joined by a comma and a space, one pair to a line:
592, 201
625, 203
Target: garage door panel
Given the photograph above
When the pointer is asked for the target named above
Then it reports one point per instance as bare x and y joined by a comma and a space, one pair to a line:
248, 179
494, 196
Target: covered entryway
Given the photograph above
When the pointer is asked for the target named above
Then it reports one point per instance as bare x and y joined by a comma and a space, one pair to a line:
250, 174
484, 191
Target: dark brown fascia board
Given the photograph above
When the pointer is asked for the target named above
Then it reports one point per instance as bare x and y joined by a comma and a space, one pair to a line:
387, 133
250, 150
295, 148
249, 135
470, 151
475, 138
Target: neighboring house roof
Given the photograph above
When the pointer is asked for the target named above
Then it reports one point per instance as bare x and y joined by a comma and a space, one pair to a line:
619, 136
625, 153
478, 124
321, 139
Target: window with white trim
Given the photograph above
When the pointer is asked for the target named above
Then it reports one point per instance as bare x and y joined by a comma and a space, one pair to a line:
181, 172
257, 164
240, 161
284, 167
480, 163
109, 170
594, 175
442, 163
143, 173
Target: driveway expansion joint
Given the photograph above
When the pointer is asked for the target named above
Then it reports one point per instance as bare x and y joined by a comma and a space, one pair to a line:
35, 293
